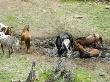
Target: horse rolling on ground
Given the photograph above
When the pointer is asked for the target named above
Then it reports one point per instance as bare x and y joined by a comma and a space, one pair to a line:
86, 52
26, 37
9, 42
64, 42
94, 40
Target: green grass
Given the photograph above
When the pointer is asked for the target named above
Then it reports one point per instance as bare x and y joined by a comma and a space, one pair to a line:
59, 17
54, 17
18, 67
83, 75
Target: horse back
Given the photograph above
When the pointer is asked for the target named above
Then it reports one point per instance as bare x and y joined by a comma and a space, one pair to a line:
25, 35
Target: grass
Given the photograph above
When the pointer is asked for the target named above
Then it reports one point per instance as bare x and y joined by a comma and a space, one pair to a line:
18, 67
61, 16
54, 17
83, 75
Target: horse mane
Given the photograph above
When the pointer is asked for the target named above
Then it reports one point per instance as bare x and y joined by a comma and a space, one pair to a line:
8, 31
26, 28
81, 38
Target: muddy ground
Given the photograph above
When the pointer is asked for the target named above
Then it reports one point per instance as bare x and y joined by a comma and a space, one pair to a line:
46, 52
47, 45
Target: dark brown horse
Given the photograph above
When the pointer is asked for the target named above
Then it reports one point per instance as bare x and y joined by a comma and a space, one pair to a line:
26, 37
7, 30
94, 40
86, 52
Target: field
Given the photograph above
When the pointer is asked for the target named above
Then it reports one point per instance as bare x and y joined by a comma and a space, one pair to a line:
48, 18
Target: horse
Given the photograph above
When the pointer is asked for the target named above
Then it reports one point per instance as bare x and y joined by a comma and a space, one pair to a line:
26, 37
64, 39
9, 41
6, 29
86, 52
94, 40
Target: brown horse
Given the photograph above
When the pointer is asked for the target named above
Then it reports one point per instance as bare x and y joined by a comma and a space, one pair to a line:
7, 30
94, 40
26, 37
86, 52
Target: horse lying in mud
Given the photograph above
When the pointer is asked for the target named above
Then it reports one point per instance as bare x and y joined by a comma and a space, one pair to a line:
64, 44
9, 41
94, 41
26, 37
86, 52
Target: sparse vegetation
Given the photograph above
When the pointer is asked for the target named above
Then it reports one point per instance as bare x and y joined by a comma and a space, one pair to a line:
49, 18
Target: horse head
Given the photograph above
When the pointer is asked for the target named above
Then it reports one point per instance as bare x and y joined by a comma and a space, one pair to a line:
26, 28
8, 31
78, 46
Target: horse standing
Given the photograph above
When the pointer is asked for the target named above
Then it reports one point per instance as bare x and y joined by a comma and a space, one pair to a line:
9, 41
64, 42
26, 37
86, 52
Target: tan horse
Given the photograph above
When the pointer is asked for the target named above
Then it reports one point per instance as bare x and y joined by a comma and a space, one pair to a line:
94, 40
26, 37
86, 52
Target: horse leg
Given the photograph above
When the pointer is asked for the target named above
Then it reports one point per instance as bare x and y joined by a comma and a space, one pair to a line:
95, 43
28, 49
9, 52
101, 41
2, 48
27, 43
21, 44
59, 52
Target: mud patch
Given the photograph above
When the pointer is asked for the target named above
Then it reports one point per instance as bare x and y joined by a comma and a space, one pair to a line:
47, 45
